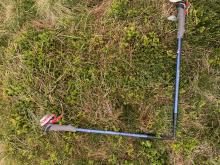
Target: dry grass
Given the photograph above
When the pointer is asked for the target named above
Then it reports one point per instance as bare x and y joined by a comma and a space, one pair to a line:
101, 9
9, 10
52, 11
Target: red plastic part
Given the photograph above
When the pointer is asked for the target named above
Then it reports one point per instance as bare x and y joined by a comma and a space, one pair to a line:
187, 7
56, 119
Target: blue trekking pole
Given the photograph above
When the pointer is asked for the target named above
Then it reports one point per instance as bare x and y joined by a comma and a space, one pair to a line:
48, 121
182, 8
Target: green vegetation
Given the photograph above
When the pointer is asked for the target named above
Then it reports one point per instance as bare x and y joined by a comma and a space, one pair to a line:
107, 64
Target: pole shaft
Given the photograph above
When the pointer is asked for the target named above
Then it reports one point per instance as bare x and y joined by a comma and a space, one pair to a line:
178, 63
115, 133
177, 84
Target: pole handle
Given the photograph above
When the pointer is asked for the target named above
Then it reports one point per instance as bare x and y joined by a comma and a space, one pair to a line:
181, 19
57, 127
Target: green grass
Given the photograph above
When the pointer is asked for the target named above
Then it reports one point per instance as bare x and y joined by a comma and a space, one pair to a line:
107, 65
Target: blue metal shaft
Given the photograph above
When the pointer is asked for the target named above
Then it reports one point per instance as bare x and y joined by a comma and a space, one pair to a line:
115, 133
177, 84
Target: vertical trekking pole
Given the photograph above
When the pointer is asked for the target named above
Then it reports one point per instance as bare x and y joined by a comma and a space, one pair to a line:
181, 29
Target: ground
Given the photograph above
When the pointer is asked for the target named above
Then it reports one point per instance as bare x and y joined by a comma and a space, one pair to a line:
108, 64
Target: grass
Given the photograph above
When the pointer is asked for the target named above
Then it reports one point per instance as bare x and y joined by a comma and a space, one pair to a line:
107, 65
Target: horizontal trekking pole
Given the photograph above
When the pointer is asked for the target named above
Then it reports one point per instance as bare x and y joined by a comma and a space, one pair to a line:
70, 128
48, 123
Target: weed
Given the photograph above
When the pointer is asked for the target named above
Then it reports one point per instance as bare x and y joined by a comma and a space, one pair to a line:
119, 8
